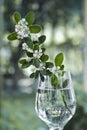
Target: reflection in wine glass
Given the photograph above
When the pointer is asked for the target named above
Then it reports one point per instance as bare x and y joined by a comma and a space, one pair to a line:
55, 106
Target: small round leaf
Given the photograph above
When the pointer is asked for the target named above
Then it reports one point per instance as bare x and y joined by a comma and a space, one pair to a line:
30, 17
44, 58
17, 16
59, 59
42, 39
12, 36
35, 28
54, 80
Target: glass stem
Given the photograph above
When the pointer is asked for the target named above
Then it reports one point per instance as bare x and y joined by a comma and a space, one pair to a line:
55, 129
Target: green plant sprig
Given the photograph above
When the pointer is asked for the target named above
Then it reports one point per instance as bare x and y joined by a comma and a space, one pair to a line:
32, 46
34, 50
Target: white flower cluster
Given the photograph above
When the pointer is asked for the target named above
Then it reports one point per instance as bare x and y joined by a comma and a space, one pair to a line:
37, 54
25, 46
22, 29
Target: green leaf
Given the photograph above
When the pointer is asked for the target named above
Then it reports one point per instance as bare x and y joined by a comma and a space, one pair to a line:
44, 58
22, 60
36, 74
54, 80
29, 54
12, 36
42, 77
65, 83
30, 17
30, 43
32, 75
59, 59
17, 16
25, 65
62, 67
49, 72
42, 38
49, 64
35, 28
36, 62
36, 47
63, 72
43, 49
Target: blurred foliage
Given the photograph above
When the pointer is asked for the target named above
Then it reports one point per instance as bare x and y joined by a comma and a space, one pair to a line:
18, 113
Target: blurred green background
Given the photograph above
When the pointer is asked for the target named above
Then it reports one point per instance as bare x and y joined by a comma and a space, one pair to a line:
64, 23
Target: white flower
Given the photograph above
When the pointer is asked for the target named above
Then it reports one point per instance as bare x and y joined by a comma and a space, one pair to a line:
23, 22
27, 59
25, 46
42, 66
55, 70
22, 29
33, 69
34, 37
37, 54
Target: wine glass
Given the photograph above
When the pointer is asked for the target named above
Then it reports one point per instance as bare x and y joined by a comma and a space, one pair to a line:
55, 106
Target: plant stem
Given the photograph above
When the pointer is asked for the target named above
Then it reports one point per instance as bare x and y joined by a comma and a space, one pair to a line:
65, 102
